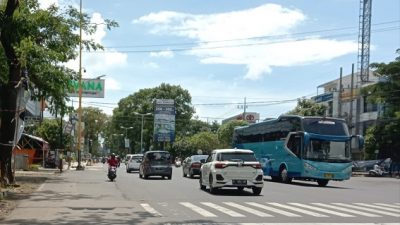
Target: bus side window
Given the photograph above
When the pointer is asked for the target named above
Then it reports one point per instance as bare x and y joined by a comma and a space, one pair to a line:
294, 144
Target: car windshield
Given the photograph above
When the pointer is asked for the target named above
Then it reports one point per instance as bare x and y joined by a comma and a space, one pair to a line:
197, 158
240, 156
158, 156
329, 151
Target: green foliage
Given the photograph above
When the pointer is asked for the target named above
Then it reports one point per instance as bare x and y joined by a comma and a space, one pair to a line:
206, 141
225, 132
384, 136
142, 102
95, 120
44, 40
307, 107
50, 130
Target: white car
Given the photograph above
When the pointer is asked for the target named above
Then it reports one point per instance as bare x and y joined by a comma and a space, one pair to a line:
134, 162
232, 168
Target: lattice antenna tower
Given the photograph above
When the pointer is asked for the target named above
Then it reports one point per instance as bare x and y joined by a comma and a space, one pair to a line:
364, 37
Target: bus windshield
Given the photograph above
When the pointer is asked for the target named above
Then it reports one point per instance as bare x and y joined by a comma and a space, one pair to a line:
327, 151
325, 126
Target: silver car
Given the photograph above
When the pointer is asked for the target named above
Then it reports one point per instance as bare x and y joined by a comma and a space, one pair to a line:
133, 163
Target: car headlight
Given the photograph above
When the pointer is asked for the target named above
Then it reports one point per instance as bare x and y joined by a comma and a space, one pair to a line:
309, 167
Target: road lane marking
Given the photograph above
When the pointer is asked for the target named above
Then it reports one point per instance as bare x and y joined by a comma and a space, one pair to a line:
378, 207
198, 210
388, 205
367, 209
297, 209
222, 209
347, 210
322, 210
248, 209
150, 210
282, 212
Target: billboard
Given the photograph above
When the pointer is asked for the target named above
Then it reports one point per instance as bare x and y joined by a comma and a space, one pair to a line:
91, 88
164, 120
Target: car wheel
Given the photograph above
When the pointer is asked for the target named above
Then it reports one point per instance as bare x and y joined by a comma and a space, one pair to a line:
183, 171
240, 188
322, 183
212, 189
284, 176
202, 187
140, 175
256, 190
169, 177
191, 174
145, 176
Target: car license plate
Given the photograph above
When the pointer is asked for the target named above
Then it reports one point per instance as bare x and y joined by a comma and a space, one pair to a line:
239, 182
328, 175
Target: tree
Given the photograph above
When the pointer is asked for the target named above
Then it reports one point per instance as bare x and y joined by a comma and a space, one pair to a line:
205, 141
94, 120
35, 45
307, 107
384, 136
225, 132
142, 102
49, 129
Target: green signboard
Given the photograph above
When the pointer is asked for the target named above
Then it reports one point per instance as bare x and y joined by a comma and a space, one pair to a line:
91, 88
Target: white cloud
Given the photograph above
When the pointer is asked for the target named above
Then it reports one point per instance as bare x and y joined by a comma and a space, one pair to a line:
112, 84
162, 54
44, 4
151, 65
224, 38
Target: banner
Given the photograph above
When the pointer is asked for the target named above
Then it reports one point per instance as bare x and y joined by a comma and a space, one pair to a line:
91, 88
164, 120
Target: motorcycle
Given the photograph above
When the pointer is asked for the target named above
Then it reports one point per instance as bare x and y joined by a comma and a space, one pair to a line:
377, 171
112, 173
178, 163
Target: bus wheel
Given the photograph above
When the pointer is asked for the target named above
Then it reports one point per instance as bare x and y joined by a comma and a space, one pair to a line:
322, 183
284, 176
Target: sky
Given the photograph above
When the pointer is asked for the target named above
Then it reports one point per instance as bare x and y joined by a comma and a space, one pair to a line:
225, 52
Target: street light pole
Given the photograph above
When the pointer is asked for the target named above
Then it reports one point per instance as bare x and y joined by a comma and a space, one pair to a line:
141, 132
126, 136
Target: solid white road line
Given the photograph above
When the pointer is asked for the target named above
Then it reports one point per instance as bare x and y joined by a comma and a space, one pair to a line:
279, 211
367, 209
150, 210
198, 210
322, 210
388, 205
223, 209
347, 210
379, 207
248, 209
297, 210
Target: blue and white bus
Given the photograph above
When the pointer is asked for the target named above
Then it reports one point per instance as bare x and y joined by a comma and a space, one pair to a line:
304, 148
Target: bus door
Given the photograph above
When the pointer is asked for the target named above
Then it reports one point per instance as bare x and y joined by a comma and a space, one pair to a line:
294, 146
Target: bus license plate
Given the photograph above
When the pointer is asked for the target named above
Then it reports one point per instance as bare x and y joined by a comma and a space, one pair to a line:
239, 182
328, 175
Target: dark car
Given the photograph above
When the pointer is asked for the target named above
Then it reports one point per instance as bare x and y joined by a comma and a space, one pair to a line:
191, 165
156, 163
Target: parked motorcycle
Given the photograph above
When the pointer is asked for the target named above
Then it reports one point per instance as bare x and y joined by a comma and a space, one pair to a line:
112, 173
377, 171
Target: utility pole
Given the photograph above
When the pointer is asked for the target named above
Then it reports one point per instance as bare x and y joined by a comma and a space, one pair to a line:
244, 109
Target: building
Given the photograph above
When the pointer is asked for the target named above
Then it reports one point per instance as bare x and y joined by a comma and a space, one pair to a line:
343, 99
251, 117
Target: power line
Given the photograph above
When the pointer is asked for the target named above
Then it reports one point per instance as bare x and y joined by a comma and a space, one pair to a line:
249, 38
243, 45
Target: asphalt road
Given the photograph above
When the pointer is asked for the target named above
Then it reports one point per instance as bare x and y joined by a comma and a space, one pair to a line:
87, 197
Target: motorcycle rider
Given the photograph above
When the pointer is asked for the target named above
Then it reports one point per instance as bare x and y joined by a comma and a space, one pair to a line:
112, 161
